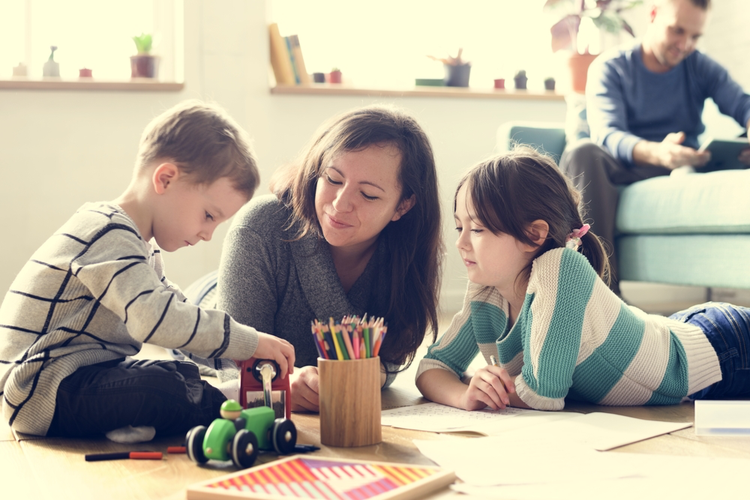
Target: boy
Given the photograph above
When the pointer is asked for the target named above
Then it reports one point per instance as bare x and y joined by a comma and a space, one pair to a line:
95, 292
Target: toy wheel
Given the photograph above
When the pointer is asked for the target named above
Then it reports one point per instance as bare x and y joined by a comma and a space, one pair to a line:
194, 444
284, 436
244, 449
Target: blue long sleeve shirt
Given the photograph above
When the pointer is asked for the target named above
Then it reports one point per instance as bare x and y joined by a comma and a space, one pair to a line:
627, 103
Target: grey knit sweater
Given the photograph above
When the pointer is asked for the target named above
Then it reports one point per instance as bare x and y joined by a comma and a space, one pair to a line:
94, 292
278, 285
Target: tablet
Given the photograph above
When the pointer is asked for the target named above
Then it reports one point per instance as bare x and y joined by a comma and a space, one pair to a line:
724, 153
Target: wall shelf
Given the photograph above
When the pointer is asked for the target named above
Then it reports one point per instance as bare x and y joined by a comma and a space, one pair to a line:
456, 92
136, 85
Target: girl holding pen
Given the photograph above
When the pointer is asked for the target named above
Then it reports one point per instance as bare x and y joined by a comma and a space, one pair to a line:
538, 300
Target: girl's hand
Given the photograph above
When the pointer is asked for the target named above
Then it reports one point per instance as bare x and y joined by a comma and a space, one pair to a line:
489, 387
279, 350
305, 388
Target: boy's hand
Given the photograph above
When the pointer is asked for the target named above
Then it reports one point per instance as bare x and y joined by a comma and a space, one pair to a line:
279, 350
489, 387
305, 389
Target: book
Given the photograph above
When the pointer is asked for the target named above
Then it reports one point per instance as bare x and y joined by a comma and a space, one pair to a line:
289, 51
280, 62
303, 476
298, 60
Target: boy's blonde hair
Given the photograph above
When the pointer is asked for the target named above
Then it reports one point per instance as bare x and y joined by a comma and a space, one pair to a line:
204, 142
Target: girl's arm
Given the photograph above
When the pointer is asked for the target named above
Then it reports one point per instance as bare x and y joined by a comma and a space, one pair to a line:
491, 386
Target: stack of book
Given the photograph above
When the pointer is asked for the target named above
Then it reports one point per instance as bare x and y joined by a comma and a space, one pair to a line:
286, 58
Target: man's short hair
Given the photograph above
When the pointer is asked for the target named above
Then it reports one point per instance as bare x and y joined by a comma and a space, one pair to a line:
204, 142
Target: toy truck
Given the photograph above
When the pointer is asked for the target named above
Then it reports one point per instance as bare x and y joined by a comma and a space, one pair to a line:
240, 433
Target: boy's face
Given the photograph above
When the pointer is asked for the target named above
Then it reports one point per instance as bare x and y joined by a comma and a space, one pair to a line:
187, 213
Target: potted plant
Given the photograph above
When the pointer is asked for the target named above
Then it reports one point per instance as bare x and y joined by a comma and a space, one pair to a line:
143, 64
549, 83
520, 79
606, 15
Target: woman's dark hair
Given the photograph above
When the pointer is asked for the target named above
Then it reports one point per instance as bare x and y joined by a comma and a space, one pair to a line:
510, 191
414, 242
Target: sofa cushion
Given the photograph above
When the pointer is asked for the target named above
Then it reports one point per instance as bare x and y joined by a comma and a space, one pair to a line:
709, 260
715, 202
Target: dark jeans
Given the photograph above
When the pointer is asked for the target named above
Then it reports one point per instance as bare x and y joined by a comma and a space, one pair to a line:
167, 395
727, 327
599, 177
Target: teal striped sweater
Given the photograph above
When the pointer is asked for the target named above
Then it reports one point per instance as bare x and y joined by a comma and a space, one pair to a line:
575, 338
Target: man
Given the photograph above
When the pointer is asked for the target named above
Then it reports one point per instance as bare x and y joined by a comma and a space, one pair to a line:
644, 106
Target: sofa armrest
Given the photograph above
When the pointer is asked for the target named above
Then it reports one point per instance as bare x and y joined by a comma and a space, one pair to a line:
547, 138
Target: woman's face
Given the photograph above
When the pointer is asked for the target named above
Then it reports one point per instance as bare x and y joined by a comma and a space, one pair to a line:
358, 194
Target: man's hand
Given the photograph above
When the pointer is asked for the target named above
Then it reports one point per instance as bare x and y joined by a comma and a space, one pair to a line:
672, 154
305, 390
669, 153
279, 350
489, 387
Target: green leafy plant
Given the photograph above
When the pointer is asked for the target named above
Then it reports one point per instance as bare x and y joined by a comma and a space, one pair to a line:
605, 14
143, 43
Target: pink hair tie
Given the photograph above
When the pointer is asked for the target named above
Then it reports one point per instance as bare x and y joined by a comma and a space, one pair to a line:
573, 241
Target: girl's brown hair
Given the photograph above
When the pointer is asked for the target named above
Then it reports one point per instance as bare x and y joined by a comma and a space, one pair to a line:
510, 191
414, 242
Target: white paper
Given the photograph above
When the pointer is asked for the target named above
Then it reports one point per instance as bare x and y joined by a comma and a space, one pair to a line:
435, 417
597, 431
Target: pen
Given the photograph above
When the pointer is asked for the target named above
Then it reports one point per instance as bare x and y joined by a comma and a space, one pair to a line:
493, 360
132, 455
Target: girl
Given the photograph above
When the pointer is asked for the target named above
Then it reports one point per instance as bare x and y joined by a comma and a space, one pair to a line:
353, 227
539, 301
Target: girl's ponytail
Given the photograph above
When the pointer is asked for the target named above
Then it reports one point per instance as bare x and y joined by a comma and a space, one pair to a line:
593, 249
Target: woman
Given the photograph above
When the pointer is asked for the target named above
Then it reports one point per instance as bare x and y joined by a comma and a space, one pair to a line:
353, 227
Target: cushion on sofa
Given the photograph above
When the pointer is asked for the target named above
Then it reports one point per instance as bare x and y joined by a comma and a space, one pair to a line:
716, 202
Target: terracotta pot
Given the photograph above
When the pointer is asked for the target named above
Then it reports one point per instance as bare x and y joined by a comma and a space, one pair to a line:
499, 83
578, 64
144, 66
334, 77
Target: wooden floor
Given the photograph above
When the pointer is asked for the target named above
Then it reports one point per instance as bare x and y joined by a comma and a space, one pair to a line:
55, 468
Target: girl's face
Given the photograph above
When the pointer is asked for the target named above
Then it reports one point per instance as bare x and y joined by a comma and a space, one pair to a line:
358, 194
490, 259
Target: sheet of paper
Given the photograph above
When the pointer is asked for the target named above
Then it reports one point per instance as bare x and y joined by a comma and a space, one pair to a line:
434, 417
512, 459
598, 430
657, 476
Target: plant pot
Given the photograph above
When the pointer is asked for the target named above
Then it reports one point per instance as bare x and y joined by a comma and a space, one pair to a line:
549, 85
520, 82
319, 77
457, 75
578, 66
334, 77
500, 83
144, 66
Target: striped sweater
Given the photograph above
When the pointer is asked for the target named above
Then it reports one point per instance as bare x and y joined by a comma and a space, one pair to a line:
575, 338
94, 292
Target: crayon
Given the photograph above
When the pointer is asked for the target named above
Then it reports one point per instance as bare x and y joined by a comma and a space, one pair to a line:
132, 455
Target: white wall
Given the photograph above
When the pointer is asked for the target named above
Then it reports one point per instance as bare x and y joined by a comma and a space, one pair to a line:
61, 149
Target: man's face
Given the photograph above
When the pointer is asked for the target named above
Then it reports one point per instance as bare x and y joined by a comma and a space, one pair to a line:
676, 26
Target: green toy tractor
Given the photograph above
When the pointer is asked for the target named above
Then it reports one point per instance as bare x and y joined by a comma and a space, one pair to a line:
242, 433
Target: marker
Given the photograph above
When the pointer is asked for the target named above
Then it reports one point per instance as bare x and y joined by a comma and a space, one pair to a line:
493, 360
176, 449
125, 455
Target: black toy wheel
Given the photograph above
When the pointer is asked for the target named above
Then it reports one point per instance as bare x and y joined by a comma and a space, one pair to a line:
244, 449
194, 444
284, 436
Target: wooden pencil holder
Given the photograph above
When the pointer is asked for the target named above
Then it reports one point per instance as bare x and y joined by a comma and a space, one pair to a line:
349, 402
